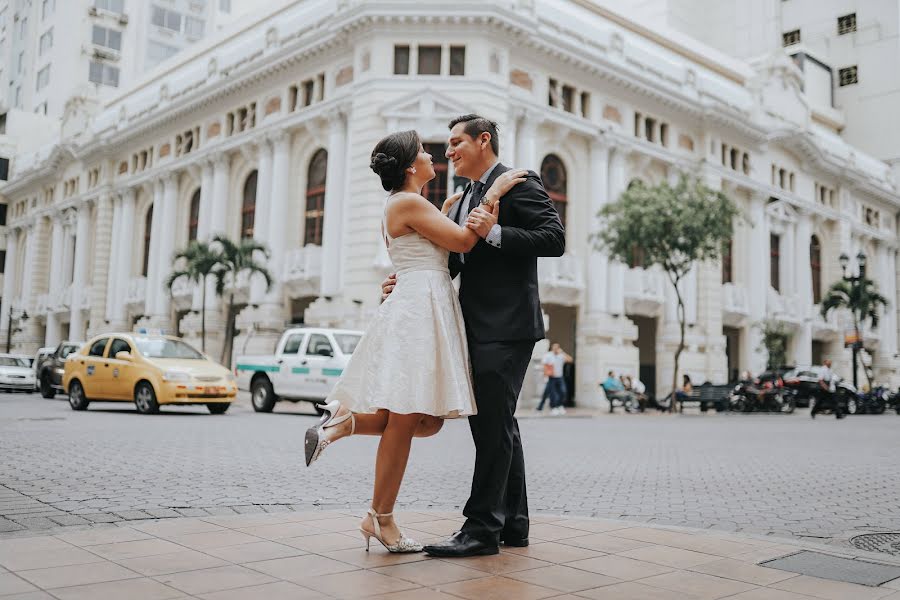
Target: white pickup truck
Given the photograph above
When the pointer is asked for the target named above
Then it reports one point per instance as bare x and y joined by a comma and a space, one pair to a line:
307, 363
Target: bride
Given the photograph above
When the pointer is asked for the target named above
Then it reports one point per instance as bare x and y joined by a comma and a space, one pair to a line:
411, 368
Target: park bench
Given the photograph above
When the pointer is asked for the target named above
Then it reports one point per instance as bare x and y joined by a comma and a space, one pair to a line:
708, 395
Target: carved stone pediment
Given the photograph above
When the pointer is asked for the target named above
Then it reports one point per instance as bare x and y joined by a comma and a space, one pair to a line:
427, 111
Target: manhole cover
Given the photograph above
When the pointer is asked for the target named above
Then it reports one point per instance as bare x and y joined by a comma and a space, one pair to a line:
889, 543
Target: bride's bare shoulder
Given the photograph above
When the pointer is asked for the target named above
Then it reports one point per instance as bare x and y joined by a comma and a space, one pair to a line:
405, 201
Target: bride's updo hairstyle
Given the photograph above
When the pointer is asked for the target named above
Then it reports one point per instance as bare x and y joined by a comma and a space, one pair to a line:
392, 156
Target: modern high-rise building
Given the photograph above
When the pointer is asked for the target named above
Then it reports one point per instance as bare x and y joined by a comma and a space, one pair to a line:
52, 50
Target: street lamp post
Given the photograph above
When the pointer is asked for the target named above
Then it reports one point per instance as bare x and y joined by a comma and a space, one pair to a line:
855, 282
13, 324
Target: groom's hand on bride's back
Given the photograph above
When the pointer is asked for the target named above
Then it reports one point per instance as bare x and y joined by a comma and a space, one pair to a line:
387, 286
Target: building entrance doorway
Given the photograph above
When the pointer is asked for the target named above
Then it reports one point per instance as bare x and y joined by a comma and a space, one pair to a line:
562, 322
646, 344
732, 351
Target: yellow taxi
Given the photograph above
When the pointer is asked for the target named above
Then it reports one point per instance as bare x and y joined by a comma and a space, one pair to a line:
149, 370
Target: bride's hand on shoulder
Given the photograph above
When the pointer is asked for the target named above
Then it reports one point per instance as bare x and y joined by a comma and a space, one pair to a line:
449, 202
504, 183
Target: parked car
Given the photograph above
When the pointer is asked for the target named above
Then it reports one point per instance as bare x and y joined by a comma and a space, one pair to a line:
50, 369
306, 365
39, 357
149, 370
15, 374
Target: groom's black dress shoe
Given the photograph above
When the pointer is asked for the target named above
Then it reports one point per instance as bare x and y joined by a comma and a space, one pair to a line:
514, 542
461, 544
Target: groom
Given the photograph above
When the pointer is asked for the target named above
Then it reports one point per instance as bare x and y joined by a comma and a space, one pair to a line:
500, 304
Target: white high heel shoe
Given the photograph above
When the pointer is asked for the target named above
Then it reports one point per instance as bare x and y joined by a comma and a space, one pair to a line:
402, 546
315, 441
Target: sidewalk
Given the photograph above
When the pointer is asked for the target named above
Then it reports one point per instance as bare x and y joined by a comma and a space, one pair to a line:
320, 554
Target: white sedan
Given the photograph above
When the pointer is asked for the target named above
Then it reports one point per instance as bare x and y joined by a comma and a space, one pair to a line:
15, 374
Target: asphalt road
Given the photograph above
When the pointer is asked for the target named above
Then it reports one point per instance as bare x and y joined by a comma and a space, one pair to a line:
783, 475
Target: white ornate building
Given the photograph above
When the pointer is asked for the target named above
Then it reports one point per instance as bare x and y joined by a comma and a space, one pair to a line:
266, 132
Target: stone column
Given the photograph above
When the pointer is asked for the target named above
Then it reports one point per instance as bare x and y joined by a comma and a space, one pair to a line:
261, 213
219, 202
757, 288
204, 224
55, 284
526, 157
68, 249
35, 273
102, 254
598, 263
277, 227
334, 205
79, 277
31, 234
802, 351
617, 184
125, 252
166, 250
114, 284
508, 148
10, 277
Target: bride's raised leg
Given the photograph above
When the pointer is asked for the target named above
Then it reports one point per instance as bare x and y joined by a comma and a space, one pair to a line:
374, 424
390, 465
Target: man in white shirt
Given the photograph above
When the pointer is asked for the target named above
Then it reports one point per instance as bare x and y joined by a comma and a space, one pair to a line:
554, 362
826, 396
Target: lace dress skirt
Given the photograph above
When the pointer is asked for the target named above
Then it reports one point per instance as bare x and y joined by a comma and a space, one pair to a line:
413, 357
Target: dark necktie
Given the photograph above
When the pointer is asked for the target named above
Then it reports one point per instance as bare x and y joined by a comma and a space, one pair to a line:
475, 196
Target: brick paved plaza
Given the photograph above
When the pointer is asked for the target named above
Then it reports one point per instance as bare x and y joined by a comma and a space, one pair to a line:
781, 475
112, 504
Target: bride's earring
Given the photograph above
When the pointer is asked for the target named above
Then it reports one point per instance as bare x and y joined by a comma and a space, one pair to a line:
413, 169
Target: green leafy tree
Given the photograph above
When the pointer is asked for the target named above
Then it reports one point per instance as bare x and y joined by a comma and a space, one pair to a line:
860, 296
674, 226
773, 343
234, 259
197, 262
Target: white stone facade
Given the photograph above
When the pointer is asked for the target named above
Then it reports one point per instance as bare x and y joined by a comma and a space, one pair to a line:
611, 100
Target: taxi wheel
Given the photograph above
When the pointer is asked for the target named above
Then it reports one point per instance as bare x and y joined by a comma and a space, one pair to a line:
262, 396
218, 408
145, 399
47, 390
77, 399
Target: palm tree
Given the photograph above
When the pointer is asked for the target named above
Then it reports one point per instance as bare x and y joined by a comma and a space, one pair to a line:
198, 261
860, 296
234, 259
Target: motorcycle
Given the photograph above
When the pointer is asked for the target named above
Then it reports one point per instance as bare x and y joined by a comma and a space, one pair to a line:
763, 396
873, 402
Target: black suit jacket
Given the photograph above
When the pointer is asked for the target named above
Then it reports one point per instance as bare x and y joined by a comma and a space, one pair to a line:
499, 288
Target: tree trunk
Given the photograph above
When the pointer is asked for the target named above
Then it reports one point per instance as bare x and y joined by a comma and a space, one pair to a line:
681, 323
229, 333
203, 317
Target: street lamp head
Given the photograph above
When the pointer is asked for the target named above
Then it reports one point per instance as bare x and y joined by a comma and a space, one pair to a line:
861, 259
24, 315
844, 259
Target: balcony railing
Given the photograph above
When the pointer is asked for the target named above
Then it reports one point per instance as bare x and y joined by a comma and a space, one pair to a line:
302, 271
783, 307
645, 291
137, 291
735, 307
561, 279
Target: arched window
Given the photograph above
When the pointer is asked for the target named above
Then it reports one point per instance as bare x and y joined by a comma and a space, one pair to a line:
775, 261
148, 231
553, 174
194, 216
248, 205
315, 198
815, 265
436, 189
727, 275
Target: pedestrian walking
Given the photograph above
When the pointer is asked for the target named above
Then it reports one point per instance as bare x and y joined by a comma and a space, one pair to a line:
826, 396
554, 363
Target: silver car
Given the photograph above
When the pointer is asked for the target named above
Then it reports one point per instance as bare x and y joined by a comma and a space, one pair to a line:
15, 374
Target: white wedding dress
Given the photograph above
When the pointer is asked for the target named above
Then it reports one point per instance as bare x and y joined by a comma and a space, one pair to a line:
413, 357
